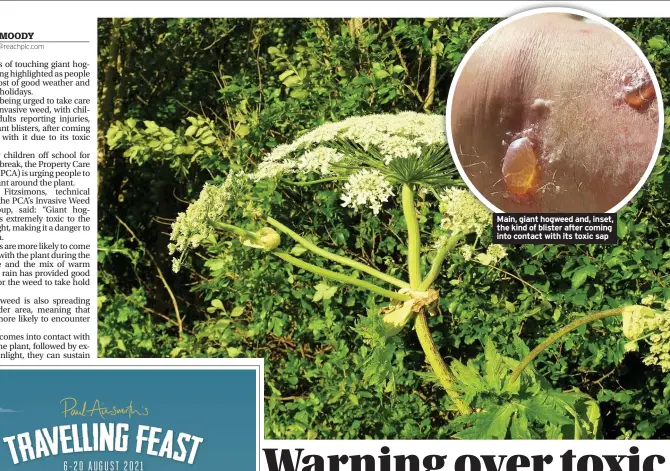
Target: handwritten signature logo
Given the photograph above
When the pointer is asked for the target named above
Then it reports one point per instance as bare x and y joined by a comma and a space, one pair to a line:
72, 408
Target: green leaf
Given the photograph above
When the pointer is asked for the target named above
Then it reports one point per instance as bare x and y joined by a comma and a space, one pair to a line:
544, 410
292, 81
469, 378
581, 274
519, 426
299, 94
285, 74
218, 304
233, 352
208, 140
237, 311
657, 42
242, 130
494, 369
324, 292
151, 125
298, 250
490, 424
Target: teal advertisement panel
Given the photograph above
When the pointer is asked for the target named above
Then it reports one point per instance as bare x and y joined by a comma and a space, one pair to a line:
129, 420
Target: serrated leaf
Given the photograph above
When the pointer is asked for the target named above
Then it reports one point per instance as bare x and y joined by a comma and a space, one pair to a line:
494, 369
468, 376
518, 427
545, 411
490, 424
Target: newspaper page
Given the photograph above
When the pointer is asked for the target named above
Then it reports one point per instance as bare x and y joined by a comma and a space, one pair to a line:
329, 236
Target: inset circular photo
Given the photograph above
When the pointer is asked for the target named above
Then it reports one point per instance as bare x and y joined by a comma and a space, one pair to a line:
555, 111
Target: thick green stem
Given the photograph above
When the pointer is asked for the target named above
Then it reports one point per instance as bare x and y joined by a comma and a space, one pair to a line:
222, 226
413, 237
433, 356
350, 280
336, 258
441, 254
440, 368
557, 335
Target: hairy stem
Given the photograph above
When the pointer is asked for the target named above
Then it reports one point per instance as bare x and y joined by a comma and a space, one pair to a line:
342, 278
433, 356
413, 237
557, 335
222, 226
444, 374
336, 258
441, 254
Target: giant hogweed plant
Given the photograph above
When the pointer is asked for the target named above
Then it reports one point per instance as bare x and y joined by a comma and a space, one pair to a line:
374, 159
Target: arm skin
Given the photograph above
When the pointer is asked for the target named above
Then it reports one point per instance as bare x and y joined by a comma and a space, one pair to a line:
560, 80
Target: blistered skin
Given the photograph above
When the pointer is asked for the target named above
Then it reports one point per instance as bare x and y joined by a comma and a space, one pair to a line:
555, 80
520, 167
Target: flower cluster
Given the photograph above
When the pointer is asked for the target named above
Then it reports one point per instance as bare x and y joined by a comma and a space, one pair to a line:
641, 322
462, 212
191, 227
494, 253
659, 350
394, 136
366, 187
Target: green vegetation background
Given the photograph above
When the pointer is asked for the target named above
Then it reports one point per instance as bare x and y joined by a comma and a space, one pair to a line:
236, 303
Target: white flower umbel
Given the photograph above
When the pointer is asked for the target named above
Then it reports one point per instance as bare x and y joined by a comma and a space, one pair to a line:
366, 187
191, 227
462, 212
468, 252
644, 323
395, 136
318, 160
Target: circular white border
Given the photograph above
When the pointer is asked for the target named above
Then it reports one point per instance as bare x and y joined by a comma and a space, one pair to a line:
590, 16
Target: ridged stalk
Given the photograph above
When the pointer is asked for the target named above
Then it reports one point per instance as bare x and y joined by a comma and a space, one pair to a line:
557, 335
342, 278
336, 258
413, 237
438, 365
